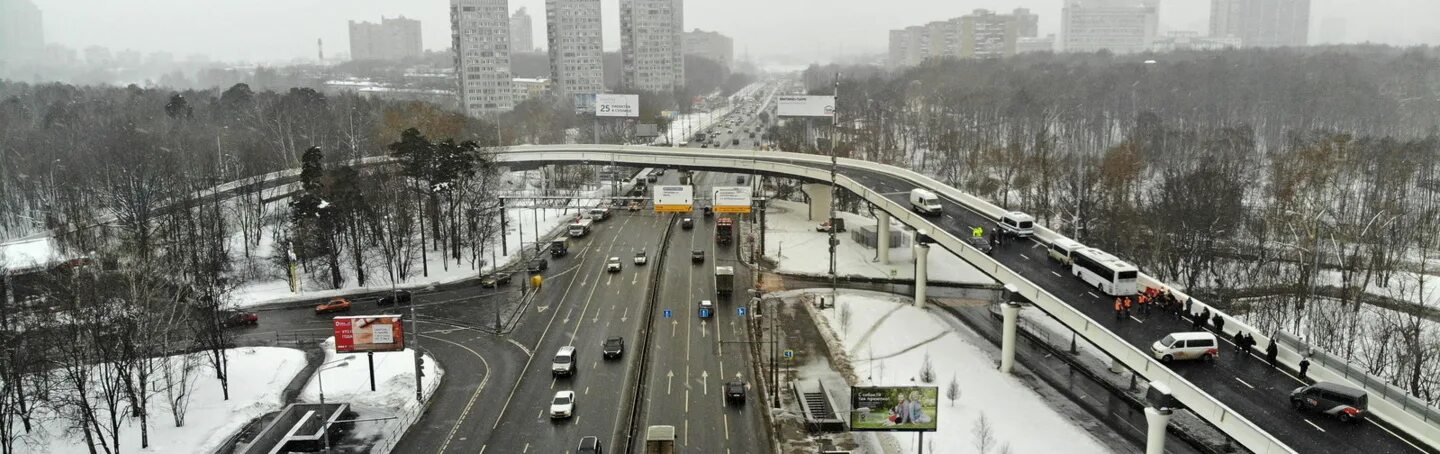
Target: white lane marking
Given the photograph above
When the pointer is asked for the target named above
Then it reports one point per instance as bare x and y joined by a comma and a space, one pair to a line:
521, 346
1023, 256
726, 418
1247, 385
1313, 425
1138, 321
1092, 295
1393, 434
1056, 274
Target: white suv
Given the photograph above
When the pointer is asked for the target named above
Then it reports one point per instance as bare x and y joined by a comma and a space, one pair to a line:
564, 362
563, 405
612, 265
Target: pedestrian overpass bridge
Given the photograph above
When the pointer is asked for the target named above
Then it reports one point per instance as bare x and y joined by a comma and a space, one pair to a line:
1249, 402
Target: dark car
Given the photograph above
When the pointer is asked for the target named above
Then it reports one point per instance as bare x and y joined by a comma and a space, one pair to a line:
235, 319
538, 265
735, 391
981, 244
614, 347
589, 445
687, 223
1348, 404
494, 280
400, 296
697, 256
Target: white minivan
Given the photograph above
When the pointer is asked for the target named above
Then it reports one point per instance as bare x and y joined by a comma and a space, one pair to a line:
1189, 345
924, 202
1017, 224
1061, 248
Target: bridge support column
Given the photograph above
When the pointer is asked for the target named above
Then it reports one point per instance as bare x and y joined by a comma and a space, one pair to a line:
1157, 419
882, 236
1011, 311
922, 259
819, 200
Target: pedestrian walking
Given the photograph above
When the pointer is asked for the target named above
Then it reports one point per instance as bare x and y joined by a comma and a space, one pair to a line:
1119, 308
1249, 343
1129, 303
1272, 352
1239, 341
1198, 319
1304, 367
1219, 321
1186, 308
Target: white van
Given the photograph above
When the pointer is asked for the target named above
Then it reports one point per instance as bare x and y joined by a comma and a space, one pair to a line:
1017, 224
924, 202
1061, 248
564, 362
1189, 345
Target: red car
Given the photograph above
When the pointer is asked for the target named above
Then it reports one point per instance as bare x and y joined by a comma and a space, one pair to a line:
335, 305
235, 319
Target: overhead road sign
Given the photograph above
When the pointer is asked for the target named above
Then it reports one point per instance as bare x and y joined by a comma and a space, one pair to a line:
613, 105
731, 199
674, 199
805, 106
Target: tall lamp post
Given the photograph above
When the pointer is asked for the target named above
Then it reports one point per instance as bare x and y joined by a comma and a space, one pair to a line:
320, 376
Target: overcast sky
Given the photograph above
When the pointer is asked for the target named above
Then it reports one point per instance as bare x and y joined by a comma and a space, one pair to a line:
271, 30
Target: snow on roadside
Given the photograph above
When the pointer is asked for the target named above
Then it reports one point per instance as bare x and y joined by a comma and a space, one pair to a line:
394, 394
258, 377
887, 339
798, 248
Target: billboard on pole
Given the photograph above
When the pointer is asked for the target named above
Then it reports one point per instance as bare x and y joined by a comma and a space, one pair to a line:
584, 103
805, 106
613, 105
674, 199
369, 333
894, 408
731, 199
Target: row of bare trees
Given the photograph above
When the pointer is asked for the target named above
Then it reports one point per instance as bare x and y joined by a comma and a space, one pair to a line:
1299, 187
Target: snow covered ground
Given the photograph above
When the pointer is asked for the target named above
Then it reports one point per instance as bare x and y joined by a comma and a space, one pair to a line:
886, 340
27, 253
798, 249
394, 394
258, 376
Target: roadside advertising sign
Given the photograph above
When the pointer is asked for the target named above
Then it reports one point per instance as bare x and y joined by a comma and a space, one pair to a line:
731, 199
613, 105
894, 408
369, 333
584, 103
805, 106
674, 199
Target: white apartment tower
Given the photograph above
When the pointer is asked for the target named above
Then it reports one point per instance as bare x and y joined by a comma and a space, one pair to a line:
522, 32
1261, 23
480, 31
1120, 26
652, 44
573, 34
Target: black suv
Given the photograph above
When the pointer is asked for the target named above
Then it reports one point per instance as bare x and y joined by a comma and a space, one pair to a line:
1348, 404
687, 223
538, 265
494, 280
735, 391
400, 296
614, 347
697, 256
589, 445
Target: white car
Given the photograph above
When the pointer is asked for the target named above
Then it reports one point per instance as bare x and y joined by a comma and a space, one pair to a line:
612, 265
563, 406
640, 258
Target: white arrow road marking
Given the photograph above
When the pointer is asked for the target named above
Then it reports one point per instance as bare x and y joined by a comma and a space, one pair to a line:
673, 324
626, 315
704, 378
669, 381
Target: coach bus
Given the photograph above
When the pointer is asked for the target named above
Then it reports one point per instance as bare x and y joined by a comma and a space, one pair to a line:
1104, 271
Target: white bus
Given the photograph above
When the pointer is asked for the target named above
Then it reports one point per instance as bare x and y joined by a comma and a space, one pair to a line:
1104, 271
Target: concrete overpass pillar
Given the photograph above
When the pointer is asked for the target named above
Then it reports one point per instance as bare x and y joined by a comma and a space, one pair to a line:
1011, 310
922, 259
882, 238
819, 200
1157, 419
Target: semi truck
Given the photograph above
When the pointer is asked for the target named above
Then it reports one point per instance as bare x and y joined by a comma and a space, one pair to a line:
724, 280
724, 229
660, 440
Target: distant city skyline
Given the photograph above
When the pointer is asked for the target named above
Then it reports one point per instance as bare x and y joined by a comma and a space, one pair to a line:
226, 30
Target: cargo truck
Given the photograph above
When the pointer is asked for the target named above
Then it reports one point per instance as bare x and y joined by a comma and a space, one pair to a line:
660, 440
581, 228
724, 279
724, 229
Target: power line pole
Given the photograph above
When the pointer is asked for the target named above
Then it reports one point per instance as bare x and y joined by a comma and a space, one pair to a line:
834, 189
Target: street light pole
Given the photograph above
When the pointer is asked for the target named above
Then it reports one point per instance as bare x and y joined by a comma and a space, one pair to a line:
834, 189
320, 377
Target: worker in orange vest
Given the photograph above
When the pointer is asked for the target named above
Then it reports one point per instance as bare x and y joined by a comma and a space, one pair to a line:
1144, 305
1119, 308
1128, 304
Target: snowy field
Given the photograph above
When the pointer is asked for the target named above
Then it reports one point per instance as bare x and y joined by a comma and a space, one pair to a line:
798, 249
886, 340
394, 394
258, 376
27, 253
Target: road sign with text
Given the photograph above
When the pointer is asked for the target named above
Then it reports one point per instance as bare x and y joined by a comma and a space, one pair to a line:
674, 199
731, 199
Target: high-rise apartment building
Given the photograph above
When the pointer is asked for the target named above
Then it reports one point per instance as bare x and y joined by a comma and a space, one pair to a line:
984, 34
1120, 26
22, 34
980, 34
573, 34
652, 44
711, 45
1028, 23
391, 39
480, 35
522, 31
1261, 23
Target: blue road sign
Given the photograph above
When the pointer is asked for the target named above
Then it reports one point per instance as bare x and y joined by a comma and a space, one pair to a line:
789, 354
740, 310
667, 313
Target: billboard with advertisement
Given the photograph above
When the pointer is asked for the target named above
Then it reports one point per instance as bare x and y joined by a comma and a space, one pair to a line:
674, 199
805, 106
731, 199
584, 103
369, 333
894, 408
614, 105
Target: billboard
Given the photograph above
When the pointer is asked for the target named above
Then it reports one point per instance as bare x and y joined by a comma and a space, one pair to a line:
894, 408
584, 103
805, 106
369, 333
731, 199
613, 105
674, 199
